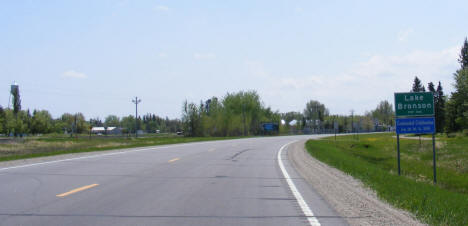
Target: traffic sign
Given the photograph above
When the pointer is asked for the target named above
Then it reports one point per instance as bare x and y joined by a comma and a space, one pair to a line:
414, 104
270, 126
415, 125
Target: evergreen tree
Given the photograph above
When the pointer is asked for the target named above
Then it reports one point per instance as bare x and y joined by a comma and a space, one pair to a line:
450, 116
457, 105
417, 85
431, 88
463, 59
440, 109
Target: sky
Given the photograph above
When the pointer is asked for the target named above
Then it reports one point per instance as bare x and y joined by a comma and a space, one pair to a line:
95, 56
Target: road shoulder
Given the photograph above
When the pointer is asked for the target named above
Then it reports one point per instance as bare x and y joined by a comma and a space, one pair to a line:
348, 196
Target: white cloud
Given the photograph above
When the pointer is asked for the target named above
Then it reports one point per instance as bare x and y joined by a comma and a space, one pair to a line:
74, 74
161, 8
363, 85
204, 56
404, 34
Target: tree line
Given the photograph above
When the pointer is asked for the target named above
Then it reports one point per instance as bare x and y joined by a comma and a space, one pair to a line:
19, 122
315, 118
149, 123
235, 114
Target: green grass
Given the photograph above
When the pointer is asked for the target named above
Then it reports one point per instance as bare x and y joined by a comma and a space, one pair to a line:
372, 159
50, 145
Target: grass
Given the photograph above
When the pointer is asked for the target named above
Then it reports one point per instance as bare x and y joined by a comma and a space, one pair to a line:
33, 147
372, 159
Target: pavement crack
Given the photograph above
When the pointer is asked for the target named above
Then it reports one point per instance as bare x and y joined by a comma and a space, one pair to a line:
233, 158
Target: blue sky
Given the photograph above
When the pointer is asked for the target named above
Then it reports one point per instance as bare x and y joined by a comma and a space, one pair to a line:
95, 56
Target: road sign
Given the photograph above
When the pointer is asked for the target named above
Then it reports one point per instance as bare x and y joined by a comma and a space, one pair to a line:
270, 126
414, 104
415, 125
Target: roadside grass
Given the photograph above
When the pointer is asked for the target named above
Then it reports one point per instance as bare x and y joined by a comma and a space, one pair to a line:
48, 146
372, 159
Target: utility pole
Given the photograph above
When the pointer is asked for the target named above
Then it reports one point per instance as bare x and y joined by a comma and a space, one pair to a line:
136, 101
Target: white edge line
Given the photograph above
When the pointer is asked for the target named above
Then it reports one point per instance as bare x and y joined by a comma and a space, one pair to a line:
313, 221
102, 155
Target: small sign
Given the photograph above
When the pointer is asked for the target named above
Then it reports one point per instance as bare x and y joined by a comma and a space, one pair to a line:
414, 104
415, 125
270, 126
335, 125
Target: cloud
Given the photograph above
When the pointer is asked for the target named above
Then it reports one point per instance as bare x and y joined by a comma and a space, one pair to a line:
204, 56
161, 8
362, 86
404, 34
74, 74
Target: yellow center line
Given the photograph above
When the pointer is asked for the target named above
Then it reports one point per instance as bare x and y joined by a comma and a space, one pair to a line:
173, 160
77, 190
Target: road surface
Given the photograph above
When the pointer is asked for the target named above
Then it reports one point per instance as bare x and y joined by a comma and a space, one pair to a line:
231, 182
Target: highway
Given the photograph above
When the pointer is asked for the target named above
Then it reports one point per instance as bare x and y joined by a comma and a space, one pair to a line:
231, 182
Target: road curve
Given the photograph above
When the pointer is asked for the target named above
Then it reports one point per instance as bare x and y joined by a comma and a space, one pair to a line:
231, 182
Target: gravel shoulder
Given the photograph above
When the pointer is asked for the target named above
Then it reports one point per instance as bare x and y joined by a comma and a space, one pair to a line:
349, 197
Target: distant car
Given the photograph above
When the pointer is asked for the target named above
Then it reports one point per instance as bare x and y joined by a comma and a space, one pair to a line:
180, 132
157, 131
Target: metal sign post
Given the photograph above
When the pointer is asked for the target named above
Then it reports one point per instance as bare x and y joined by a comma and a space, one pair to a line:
415, 115
335, 127
398, 153
434, 157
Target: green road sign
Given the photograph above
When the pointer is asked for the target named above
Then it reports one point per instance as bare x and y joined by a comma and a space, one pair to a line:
414, 104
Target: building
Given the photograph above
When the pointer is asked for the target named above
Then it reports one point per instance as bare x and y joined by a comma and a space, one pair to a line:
109, 130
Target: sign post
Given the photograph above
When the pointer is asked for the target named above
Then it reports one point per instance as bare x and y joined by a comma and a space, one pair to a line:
415, 114
335, 128
398, 153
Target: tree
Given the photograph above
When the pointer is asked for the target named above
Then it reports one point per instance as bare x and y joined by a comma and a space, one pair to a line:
314, 111
450, 116
463, 58
237, 114
457, 106
439, 108
96, 122
112, 121
431, 88
2, 121
41, 122
384, 113
74, 123
128, 123
191, 120
417, 85
460, 97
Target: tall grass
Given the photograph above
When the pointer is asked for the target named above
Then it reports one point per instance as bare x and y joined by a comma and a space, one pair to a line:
372, 159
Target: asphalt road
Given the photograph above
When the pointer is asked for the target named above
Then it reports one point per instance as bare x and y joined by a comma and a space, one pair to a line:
233, 182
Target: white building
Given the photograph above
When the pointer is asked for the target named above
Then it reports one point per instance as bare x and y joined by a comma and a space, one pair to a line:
109, 130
